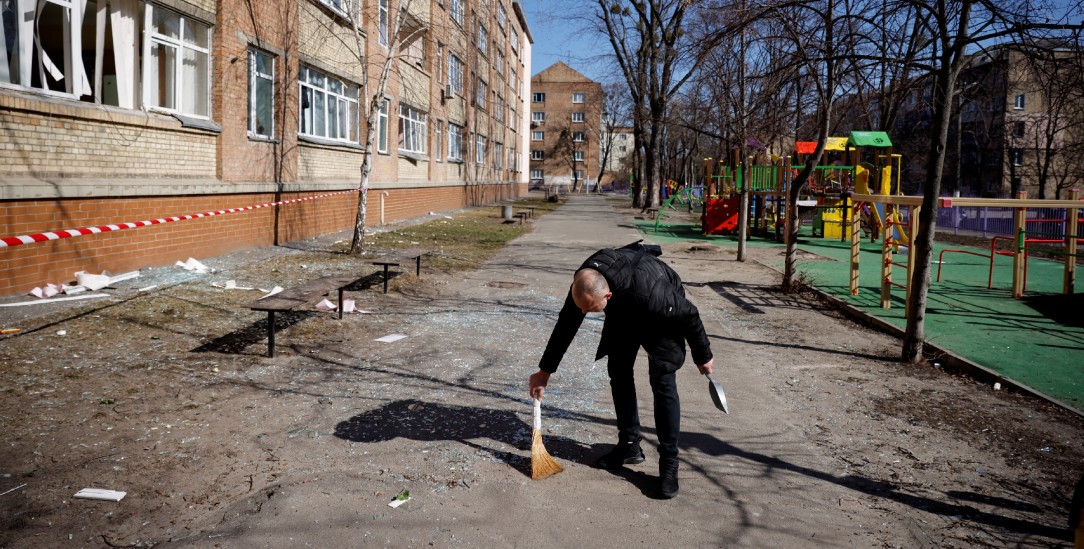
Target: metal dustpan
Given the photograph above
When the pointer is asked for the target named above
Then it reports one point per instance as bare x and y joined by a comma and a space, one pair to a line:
718, 396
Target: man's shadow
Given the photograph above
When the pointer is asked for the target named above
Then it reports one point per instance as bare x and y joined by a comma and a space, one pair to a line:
428, 421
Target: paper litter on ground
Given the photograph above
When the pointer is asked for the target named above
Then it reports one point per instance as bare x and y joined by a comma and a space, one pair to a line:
272, 291
390, 338
53, 300
230, 285
192, 265
98, 493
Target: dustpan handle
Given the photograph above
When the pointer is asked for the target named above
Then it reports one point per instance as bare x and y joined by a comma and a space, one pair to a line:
537, 414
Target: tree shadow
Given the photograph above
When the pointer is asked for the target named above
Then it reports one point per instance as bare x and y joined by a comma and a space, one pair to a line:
712, 446
428, 421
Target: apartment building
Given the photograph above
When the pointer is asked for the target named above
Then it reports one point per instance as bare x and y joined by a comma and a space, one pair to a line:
566, 121
132, 110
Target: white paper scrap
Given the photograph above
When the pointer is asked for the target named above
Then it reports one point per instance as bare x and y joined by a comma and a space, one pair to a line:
397, 502
326, 305
98, 493
54, 300
192, 265
93, 282
390, 338
348, 306
273, 291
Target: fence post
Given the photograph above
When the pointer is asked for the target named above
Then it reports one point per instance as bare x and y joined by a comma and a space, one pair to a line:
1020, 215
1072, 235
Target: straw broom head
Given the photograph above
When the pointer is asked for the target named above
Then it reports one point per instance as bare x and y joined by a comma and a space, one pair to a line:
542, 464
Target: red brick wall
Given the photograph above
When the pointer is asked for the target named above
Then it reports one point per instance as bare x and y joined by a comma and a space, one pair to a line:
26, 266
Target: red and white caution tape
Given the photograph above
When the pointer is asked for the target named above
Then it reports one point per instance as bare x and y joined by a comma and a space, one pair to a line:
68, 233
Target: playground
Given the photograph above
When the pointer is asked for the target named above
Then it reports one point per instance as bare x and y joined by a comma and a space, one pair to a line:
1002, 301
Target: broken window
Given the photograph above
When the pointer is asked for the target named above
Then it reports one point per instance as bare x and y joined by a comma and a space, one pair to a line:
261, 94
176, 63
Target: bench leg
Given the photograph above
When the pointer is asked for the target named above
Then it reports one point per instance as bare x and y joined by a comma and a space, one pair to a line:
418, 269
340, 303
271, 334
385, 279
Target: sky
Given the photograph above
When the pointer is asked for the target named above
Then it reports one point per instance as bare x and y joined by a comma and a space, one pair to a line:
558, 37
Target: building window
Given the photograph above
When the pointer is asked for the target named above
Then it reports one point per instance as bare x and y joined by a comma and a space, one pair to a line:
329, 106
455, 142
480, 93
412, 132
480, 150
499, 61
578, 137
577, 117
537, 155
538, 136
382, 24
176, 62
502, 16
513, 160
455, 73
515, 42
439, 140
382, 127
457, 11
1019, 102
498, 109
579, 97
577, 156
578, 175
261, 94
538, 116
498, 155
482, 40
1017, 158
538, 97
537, 174
336, 5
1018, 129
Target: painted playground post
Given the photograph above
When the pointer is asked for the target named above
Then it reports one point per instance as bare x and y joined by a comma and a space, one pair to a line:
1072, 234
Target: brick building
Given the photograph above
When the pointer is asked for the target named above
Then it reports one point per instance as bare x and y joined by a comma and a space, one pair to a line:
133, 110
566, 121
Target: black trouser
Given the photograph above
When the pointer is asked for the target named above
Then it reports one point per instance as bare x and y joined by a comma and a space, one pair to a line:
663, 387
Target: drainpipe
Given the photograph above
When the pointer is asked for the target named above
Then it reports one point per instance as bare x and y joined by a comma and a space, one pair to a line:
382, 195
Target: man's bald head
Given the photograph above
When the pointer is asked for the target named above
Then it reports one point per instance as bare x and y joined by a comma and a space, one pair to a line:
590, 290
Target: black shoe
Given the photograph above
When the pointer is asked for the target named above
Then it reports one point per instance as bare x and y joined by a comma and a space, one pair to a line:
622, 454
668, 478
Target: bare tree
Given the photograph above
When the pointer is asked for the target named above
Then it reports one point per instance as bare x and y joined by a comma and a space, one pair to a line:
647, 37
952, 27
390, 17
570, 148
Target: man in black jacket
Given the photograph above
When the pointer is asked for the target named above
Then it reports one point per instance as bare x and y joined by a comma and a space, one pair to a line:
645, 306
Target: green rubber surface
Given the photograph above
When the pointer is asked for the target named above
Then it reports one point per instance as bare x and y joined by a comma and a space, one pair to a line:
1037, 341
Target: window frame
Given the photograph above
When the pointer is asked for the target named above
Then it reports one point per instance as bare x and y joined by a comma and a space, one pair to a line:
413, 129
480, 149
579, 97
538, 97
345, 106
456, 11
180, 46
455, 72
382, 126
1020, 102
254, 77
539, 133
578, 116
538, 117
538, 154
455, 142
382, 24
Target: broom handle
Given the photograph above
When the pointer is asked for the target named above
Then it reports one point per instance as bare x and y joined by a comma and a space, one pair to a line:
537, 414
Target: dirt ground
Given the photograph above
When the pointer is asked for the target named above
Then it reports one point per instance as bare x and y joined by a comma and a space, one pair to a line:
166, 394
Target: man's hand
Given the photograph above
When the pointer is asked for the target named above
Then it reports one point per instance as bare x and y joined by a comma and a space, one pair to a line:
706, 368
538, 383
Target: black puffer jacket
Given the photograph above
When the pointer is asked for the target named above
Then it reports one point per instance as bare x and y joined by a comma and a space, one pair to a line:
648, 307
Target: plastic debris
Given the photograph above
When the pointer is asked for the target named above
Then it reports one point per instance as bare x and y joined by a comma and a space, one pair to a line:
997, 386
272, 291
390, 338
400, 499
230, 285
192, 265
98, 493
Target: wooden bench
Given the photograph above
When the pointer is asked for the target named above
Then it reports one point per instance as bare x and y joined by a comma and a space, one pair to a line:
522, 217
529, 210
299, 296
399, 257
652, 212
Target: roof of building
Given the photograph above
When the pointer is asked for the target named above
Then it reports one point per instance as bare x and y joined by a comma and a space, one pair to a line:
560, 72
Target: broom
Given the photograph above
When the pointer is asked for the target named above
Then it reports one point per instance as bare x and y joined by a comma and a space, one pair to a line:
542, 464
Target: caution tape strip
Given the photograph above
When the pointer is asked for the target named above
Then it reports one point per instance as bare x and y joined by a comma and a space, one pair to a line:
68, 233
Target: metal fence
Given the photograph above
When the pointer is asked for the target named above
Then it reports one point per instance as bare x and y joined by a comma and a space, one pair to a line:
1042, 223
